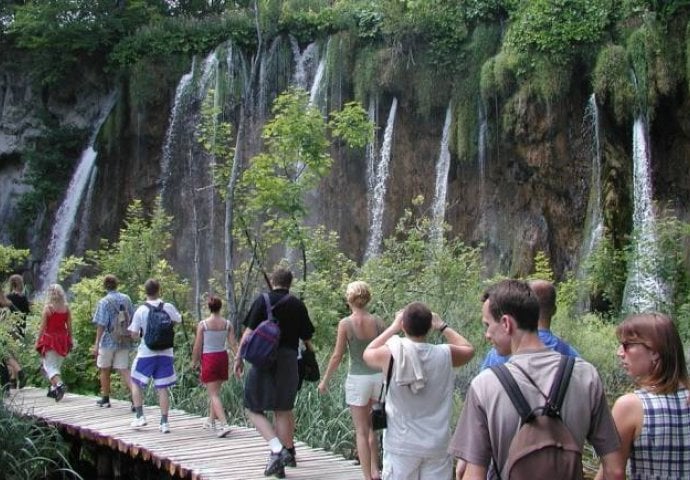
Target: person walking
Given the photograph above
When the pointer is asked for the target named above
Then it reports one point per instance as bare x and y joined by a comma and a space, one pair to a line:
419, 401
489, 421
275, 388
153, 363
363, 383
213, 336
54, 340
112, 349
653, 421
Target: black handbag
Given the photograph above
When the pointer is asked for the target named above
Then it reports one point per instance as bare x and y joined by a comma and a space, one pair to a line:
308, 367
379, 420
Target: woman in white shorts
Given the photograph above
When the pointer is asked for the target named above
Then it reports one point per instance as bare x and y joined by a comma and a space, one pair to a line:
363, 384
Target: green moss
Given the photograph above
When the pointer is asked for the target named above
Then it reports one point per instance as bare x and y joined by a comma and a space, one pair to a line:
612, 83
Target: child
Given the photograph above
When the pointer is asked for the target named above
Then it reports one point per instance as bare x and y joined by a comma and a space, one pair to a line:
55, 339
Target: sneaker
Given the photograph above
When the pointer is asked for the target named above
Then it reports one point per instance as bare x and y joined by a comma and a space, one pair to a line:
290, 461
276, 463
138, 422
60, 391
165, 427
103, 402
224, 431
209, 425
51, 392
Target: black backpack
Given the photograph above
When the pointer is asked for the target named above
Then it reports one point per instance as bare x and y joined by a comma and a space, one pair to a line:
159, 328
544, 448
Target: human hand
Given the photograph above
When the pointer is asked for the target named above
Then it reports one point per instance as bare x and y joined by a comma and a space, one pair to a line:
436, 321
397, 321
238, 368
323, 387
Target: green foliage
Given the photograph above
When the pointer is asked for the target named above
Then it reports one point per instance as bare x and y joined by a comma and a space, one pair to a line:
10, 257
606, 271
653, 68
31, 450
542, 267
215, 136
612, 82
188, 36
352, 124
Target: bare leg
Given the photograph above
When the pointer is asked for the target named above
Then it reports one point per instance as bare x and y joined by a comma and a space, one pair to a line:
137, 399
126, 378
216, 405
105, 381
362, 421
163, 400
285, 427
261, 423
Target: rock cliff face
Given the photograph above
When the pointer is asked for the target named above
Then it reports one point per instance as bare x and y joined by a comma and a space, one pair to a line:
531, 196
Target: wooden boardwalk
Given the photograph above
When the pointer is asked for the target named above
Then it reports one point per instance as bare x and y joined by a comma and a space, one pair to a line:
188, 451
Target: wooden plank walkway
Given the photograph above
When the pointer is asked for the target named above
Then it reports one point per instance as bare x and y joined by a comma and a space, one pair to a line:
188, 451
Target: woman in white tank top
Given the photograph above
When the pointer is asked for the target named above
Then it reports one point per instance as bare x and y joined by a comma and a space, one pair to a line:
212, 335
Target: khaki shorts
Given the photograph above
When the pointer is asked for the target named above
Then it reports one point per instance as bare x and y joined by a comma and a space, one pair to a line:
408, 467
359, 389
113, 358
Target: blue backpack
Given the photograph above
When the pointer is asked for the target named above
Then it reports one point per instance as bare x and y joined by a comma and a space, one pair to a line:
261, 346
159, 328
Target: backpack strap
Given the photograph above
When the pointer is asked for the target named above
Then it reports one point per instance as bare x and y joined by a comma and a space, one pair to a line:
513, 390
560, 385
269, 307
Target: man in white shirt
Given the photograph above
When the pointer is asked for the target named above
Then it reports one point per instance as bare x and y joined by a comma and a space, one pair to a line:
149, 363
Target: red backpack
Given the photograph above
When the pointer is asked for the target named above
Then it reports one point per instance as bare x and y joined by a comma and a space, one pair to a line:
544, 448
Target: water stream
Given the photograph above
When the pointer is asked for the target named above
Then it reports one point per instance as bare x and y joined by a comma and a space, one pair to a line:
441, 190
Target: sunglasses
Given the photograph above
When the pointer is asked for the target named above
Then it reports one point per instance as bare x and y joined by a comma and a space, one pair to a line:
627, 345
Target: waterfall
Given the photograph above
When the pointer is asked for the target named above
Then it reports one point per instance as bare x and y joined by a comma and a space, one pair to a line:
67, 213
371, 150
304, 62
380, 186
644, 290
441, 190
482, 135
85, 219
317, 87
594, 228
182, 94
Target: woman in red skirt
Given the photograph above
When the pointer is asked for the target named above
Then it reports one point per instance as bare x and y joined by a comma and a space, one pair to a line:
55, 339
212, 336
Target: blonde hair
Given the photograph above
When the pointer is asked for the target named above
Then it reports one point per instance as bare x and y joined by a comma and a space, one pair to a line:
16, 283
358, 294
56, 296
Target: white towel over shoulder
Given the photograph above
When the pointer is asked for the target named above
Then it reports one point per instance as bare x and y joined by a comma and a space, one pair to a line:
408, 365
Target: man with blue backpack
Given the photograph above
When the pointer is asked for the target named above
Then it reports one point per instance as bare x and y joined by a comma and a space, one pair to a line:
271, 383
153, 322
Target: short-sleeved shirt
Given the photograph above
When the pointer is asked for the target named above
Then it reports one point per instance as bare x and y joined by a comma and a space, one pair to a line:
292, 316
547, 338
105, 316
140, 320
489, 421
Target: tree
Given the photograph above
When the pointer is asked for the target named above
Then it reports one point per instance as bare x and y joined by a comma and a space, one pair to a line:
275, 185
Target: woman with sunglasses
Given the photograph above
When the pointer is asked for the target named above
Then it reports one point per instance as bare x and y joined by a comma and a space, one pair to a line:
654, 421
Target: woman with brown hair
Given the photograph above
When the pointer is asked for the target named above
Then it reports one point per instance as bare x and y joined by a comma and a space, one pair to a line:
654, 421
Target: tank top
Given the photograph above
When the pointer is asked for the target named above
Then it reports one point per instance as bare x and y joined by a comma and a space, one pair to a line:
214, 340
55, 336
662, 449
356, 348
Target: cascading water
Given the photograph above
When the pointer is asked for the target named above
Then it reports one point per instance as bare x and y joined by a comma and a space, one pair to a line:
182, 95
380, 186
441, 190
644, 290
371, 151
86, 213
304, 63
67, 213
594, 228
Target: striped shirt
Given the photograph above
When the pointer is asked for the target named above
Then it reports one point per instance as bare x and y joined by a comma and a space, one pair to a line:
662, 451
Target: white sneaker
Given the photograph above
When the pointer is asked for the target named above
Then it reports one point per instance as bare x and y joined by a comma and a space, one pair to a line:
138, 422
224, 431
209, 424
165, 427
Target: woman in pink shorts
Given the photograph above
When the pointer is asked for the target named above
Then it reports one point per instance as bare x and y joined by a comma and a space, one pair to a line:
212, 336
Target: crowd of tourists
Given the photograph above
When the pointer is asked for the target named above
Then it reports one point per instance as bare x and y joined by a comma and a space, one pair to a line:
527, 414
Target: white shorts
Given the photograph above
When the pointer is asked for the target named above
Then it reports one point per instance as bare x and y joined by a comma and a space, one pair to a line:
408, 467
113, 358
359, 389
52, 362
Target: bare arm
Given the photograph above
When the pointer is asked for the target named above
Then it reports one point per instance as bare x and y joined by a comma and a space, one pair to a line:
461, 350
377, 354
198, 345
627, 414
336, 357
232, 342
474, 472
99, 334
238, 366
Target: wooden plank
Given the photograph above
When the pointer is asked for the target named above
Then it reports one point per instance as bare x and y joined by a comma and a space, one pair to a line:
187, 451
